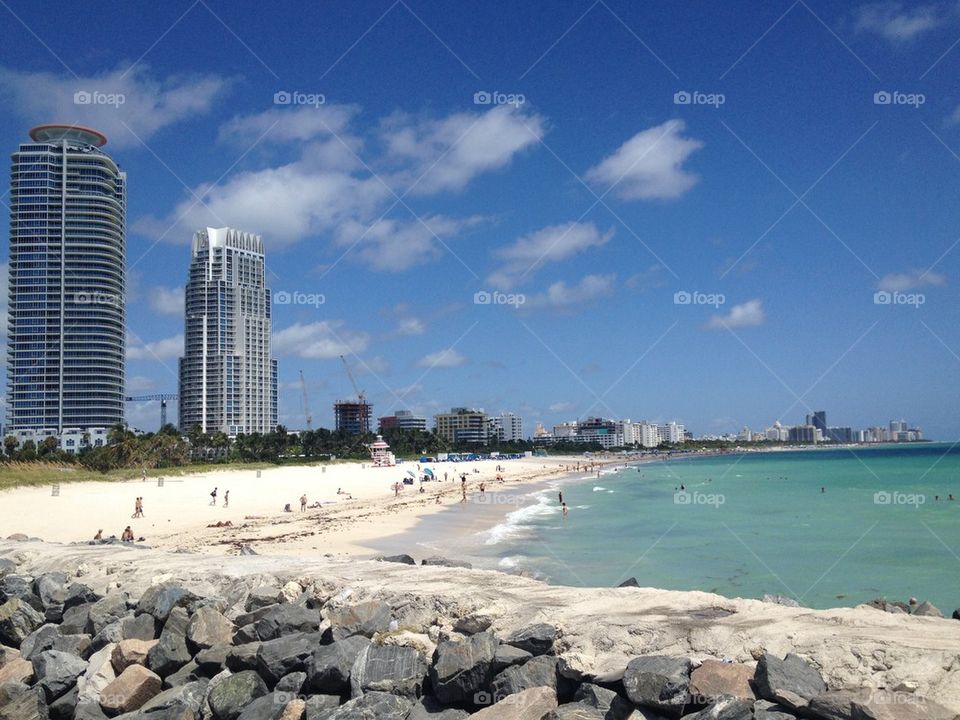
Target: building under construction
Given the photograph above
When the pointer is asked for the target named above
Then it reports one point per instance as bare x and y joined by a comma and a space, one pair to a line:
353, 416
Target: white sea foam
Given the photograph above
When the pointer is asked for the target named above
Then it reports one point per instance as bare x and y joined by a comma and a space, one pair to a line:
599, 489
507, 563
517, 522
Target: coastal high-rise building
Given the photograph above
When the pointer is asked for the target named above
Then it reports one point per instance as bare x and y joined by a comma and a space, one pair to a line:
463, 425
352, 416
66, 320
403, 420
506, 427
228, 379
819, 421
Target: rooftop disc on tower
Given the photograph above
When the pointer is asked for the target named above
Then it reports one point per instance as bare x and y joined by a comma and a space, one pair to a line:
77, 133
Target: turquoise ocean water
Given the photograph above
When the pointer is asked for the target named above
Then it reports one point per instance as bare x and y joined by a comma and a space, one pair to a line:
752, 524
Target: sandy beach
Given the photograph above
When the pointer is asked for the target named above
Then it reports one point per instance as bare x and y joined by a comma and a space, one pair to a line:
179, 514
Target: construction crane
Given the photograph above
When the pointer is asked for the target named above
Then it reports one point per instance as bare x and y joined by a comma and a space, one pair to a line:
353, 382
162, 397
306, 402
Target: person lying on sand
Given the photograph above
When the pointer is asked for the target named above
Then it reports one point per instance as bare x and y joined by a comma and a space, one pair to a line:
287, 508
437, 501
127, 535
314, 506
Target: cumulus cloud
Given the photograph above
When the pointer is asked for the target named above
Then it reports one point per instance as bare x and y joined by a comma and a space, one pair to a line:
171, 347
283, 124
649, 166
550, 244
411, 326
896, 23
320, 340
748, 314
559, 407
561, 295
148, 105
901, 282
166, 301
449, 358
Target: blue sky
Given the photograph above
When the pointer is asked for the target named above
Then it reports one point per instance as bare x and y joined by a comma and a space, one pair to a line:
782, 198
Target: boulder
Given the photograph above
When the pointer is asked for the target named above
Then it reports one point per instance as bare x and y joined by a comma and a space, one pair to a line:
187, 674
111, 634
245, 634
472, 624
170, 653
445, 562
373, 706
726, 709
508, 655
130, 652
17, 620
88, 710
791, 682
319, 707
537, 672
287, 619
629, 582
243, 657
784, 600
18, 670
429, 708
7, 567
715, 679
57, 672
533, 704
268, 707
402, 559
8, 654
159, 600
537, 639
212, 660
106, 611
19, 586
63, 707
208, 628
19, 702
291, 684
926, 609
97, 676
139, 627
40, 640
328, 668
130, 690
875, 705
365, 619
285, 655
247, 550
263, 596
79, 594
766, 710
51, 588
232, 694
188, 695
387, 668
658, 682
76, 619
461, 669
79, 645
599, 702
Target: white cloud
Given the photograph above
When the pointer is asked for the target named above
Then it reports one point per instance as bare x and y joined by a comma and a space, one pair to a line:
166, 301
748, 314
171, 347
448, 153
650, 164
897, 24
549, 244
282, 124
954, 118
561, 295
411, 326
449, 358
149, 104
320, 340
901, 282
140, 384
560, 407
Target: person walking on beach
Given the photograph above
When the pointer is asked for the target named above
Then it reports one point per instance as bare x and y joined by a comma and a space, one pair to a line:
303, 503
483, 489
226, 499
463, 492
565, 510
138, 512
213, 497
560, 495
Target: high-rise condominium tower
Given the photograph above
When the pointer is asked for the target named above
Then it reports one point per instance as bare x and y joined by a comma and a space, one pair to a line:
228, 380
65, 350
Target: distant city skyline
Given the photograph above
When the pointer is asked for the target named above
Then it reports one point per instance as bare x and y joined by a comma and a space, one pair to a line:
658, 211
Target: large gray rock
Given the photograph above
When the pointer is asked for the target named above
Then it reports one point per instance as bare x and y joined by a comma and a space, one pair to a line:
533, 704
365, 619
158, 600
20, 586
76, 619
97, 676
79, 645
292, 684
429, 708
17, 620
39, 640
726, 709
7, 567
189, 673
263, 596
766, 710
112, 633
231, 694
461, 669
171, 652
389, 668
188, 695
88, 710
286, 620
508, 655
20, 702
373, 706
79, 594
51, 588
926, 609
140, 627
208, 628
446, 562
320, 707
328, 668
57, 672
243, 657
269, 707
213, 659
403, 559
791, 682
537, 639
285, 655
658, 682
594, 701
107, 611
537, 672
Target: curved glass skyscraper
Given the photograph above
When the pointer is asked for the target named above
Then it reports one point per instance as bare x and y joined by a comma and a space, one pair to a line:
67, 260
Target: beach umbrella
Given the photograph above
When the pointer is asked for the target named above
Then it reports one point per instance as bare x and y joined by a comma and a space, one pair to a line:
411, 473
428, 472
